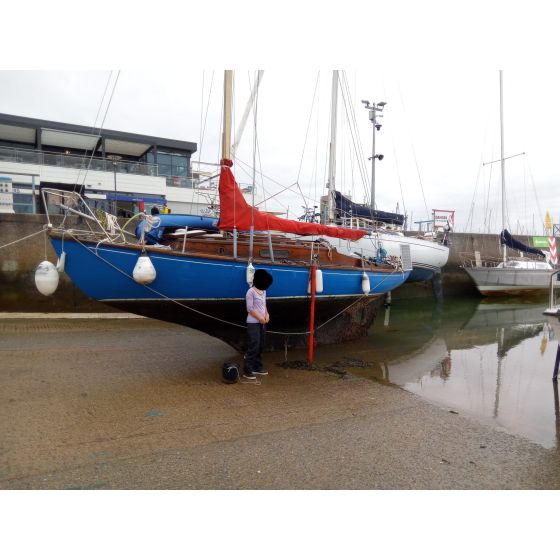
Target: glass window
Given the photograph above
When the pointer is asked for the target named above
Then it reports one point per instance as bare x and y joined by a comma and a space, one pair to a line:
23, 204
164, 169
175, 165
179, 166
164, 159
180, 160
179, 170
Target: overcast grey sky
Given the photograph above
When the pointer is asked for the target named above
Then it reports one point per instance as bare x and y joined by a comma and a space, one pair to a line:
439, 79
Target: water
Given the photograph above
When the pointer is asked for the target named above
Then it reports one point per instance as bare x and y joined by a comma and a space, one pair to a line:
491, 359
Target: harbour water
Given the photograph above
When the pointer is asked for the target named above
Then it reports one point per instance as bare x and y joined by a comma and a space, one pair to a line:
491, 359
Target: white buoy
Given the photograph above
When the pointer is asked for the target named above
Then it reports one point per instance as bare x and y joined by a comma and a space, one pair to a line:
365, 283
46, 278
144, 271
250, 274
61, 262
318, 282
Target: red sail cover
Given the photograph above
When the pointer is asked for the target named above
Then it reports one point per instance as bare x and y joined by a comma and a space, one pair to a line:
236, 213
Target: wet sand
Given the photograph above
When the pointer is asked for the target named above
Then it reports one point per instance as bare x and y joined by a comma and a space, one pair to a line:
139, 404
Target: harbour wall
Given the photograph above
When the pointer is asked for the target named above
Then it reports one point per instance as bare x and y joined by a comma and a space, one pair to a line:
19, 261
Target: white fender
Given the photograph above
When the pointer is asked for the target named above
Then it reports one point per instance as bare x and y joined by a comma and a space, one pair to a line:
46, 278
365, 283
61, 262
250, 274
144, 271
318, 282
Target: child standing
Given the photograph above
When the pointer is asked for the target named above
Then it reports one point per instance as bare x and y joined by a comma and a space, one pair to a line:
257, 318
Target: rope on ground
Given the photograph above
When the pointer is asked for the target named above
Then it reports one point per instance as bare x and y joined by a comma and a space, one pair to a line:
23, 238
96, 254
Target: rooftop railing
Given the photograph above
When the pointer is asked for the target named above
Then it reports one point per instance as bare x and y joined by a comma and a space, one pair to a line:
56, 159
38, 157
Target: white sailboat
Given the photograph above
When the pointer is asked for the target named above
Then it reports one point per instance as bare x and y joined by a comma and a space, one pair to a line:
511, 276
427, 257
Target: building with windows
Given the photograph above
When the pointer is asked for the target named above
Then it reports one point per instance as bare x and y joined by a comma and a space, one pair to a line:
120, 172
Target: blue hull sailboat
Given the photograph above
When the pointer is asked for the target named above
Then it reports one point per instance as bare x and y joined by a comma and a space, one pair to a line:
198, 276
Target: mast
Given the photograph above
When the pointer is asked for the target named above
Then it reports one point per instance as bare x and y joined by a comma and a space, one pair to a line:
332, 151
226, 134
372, 197
250, 104
502, 163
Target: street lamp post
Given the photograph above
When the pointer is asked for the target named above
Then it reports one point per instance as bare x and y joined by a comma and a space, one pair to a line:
115, 159
373, 109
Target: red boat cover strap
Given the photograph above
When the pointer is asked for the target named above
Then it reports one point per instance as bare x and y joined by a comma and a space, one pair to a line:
236, 213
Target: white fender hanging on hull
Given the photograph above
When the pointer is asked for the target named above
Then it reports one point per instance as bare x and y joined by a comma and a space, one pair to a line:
365, 283
46, 278
61, 262
144, 271
250, 274
318, 282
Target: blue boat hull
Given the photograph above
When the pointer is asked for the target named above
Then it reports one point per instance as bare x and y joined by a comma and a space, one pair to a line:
422, 273
209, 294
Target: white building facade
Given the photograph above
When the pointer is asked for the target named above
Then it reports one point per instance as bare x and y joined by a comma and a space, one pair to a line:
120, 172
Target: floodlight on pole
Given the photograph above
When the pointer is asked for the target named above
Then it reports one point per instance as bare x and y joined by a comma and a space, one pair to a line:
373, 110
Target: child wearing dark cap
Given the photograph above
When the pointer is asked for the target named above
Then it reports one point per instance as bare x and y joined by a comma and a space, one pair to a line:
257, 318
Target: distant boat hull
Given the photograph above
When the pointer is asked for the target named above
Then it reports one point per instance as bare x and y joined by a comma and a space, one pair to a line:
493, 281
428, 257
209, 294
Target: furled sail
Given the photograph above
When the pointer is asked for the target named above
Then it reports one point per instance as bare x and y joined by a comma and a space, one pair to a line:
507, 240
345, 208
236, 213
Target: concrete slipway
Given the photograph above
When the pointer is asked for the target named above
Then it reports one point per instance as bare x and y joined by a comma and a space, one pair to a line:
131, 404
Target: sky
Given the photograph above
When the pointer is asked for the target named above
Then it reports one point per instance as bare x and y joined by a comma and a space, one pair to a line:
440, 124
438, 129
436, 65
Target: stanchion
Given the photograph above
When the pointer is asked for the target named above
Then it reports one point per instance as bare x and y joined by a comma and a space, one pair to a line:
556, 365
312, 314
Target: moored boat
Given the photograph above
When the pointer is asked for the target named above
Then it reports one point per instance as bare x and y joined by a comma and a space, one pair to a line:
511, 275
196, 276
201, 281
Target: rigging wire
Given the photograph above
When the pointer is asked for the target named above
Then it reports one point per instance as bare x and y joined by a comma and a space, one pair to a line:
414, 154
315, 169
486, 207
101, 126
95, 123
476, 185
352, 122
397, 167
255, 113
42, 230
247, 169
308, 125
203, 126
541, 214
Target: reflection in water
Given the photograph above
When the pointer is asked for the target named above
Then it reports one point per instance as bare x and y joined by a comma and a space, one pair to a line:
494, 360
